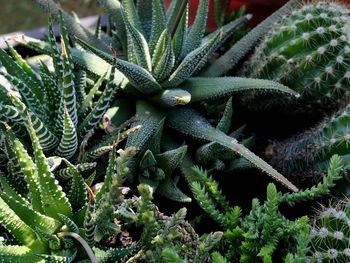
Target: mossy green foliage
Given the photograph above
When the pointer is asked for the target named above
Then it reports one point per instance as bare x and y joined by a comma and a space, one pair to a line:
258, 235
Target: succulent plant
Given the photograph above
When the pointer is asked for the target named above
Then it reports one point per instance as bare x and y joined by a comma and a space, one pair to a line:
258, 234
42, 220
241, 48
64, 108
307, 154
156, 55
330, 234
308, 51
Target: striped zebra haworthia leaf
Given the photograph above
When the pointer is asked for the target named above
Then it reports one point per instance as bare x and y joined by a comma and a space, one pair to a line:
59, 119
44, 218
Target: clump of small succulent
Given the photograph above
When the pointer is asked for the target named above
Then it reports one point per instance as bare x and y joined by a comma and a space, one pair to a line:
258, 235
43, 221
307, 50
65, 106
49, 224
157, 56
330, 234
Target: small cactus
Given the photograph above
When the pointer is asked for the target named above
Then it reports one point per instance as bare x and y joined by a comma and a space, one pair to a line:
330, 234
307, 154
308, 51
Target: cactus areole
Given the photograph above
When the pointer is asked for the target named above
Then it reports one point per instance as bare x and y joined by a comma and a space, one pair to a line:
308, 50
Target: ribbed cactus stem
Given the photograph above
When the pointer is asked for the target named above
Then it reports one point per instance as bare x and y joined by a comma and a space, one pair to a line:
309, 52
330, 236
309, 152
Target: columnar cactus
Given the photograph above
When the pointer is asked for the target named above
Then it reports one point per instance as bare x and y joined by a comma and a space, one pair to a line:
308, 153
330, 234
308, 50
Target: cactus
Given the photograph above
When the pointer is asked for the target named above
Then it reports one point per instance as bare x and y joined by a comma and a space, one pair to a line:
330, 234
307, 154
307, 50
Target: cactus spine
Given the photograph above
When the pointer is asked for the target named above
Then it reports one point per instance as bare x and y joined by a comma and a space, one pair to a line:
308, 50
308, 153
330, 234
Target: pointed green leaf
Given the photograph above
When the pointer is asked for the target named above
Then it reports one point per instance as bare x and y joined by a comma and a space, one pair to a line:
14, 69
180, 36
155, 141
52, 93
245, 44
149, 118
197, 30
163, 68
95, 116
158, 23
11, 221
21, 62
81, 84
189, 122
215, 88
139, 47
11, 191
47, 139
29, 170
140, 78
173, 12
225, 121
228, 30
192, 63
29, 216
111, 169
86, 104
68, 97
131, 14
170, 160
53, 199
77, 194
69, 140
105, 56
168, 189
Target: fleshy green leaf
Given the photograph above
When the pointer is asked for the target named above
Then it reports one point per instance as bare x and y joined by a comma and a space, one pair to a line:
53, 199
69, 141
189, 122
140, 78
197, 30
216, 88
193, 62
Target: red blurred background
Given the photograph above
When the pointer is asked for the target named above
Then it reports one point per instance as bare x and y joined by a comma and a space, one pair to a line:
259, 8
